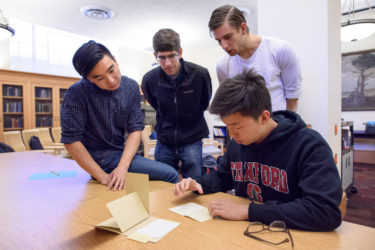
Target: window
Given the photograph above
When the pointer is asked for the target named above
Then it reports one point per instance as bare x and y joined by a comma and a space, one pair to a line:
40, 49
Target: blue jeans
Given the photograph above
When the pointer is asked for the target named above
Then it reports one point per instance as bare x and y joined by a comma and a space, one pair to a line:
155, 170
190, 156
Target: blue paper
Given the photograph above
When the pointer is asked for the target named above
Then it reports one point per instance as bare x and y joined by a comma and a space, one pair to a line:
51, 175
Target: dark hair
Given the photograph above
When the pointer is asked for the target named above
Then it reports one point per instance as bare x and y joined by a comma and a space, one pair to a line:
88, 55
166, 40
228, 13
245, 93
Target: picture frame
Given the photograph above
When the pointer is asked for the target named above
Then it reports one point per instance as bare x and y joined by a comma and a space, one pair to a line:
358, 81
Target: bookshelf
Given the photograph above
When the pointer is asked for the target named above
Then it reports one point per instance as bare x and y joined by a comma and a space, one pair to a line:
62, 94
43, 107
347, 163
12, 107
30, 100
221, 134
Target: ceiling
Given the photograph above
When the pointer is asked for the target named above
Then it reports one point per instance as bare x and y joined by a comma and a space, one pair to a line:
135, 21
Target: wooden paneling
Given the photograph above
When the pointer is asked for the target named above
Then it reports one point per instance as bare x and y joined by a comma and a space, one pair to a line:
28, 82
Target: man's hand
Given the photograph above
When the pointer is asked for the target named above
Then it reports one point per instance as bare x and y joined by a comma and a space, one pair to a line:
103, 179
187, 185
116, 179
228, 210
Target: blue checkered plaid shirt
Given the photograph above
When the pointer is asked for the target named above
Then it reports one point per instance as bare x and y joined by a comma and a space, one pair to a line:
101, 118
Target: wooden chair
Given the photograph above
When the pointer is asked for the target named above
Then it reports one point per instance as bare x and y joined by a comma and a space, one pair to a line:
148, 144
212, 147
56, 134
14, 139
28, 133
46, 139
343, 204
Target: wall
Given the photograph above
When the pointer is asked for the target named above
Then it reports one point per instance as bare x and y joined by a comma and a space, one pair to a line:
134, 63
312, 29
358, 117
31, 65
5, 54
208, 58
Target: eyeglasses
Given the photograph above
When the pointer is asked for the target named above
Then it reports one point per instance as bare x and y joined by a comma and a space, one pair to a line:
275, 226
162, 59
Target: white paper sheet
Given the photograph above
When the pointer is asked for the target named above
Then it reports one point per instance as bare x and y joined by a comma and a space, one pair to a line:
186, 208
192, 210
158, 228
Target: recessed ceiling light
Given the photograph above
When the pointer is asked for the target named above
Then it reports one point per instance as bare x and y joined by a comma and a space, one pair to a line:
97, 12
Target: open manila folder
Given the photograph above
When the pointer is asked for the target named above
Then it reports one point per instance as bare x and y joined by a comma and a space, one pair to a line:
131, 213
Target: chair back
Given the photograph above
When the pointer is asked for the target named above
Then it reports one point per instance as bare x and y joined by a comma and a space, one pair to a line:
56, 134
27, 134
14, 139
45, 137
343, 204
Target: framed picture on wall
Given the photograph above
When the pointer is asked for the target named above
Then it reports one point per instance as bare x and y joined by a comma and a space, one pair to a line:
358, 81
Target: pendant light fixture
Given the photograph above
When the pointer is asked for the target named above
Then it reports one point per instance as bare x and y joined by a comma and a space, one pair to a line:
356, 28
5, 30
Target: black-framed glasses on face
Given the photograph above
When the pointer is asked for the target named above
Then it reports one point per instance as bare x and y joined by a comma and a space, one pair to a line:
162, 59
275, 226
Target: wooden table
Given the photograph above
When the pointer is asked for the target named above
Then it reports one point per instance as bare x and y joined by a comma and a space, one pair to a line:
62, 214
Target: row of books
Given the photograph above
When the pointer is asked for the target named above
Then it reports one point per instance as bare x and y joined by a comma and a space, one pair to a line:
12, 90
13, 122
12, 106
220, 131
43, 93
43, 107
45, 121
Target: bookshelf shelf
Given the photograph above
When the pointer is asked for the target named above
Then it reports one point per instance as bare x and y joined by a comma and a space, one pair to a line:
43, 99
12, 113
12, 129
12, 97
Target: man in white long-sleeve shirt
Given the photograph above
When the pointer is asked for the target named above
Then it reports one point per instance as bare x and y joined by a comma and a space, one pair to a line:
270, 57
